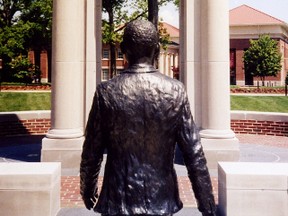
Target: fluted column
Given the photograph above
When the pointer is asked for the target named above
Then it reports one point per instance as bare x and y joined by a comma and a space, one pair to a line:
68, 54
165, 63
74, 64
204, 69
176, 64
170, 65
190, 54
93, 51
215, 70
161, 62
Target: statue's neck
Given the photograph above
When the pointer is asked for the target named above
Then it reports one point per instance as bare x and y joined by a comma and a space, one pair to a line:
141, 68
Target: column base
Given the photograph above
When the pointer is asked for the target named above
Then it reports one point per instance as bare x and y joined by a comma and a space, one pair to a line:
217, 150
217, 134
66, 151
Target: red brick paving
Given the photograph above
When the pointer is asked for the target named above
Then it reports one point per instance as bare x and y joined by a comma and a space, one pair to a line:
70, 196
275, 141
70, 192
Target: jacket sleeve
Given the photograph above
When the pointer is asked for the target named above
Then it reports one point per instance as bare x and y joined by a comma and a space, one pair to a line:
189, 143
92, 156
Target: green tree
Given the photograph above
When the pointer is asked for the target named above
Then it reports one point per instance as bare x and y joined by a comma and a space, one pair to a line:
177, 3
39, 17
13, 43
25, 24
262, 58
110, 36
24, 70
8, 10
8, 28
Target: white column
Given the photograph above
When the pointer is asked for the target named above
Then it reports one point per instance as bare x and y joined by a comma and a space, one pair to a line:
161, 62
72, 66
215, 70
176, 60
166, 64
171, 56
68, 55
204, 69
217, 138
190, 54
93, 51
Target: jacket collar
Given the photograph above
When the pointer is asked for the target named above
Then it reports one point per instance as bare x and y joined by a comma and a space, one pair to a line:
140, 68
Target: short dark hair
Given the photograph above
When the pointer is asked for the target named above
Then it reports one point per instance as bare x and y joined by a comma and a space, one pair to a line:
140, 37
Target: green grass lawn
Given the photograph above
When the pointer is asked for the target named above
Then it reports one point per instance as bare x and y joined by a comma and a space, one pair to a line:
260, 103
23, 101
16, 101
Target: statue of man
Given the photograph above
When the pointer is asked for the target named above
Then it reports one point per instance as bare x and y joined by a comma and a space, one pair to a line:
139, 117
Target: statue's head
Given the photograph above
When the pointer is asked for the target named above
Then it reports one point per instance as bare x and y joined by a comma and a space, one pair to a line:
140, 40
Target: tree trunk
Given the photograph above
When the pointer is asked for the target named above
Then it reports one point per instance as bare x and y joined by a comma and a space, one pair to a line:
112, 71
153, 12
112, 60
153, 17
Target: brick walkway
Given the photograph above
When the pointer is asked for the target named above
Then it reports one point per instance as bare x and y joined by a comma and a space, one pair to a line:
70, 196
275, 141
70, 192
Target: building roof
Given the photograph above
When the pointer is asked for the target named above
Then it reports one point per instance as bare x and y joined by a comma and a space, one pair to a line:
172, 30
245, 15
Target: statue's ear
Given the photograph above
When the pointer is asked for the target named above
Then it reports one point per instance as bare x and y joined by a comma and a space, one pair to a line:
123, 47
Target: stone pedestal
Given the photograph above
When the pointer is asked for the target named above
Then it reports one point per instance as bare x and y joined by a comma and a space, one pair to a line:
220, 150
254, 189
30, 189
66, 151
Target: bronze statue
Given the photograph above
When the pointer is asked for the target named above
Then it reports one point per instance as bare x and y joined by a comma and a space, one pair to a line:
138, 117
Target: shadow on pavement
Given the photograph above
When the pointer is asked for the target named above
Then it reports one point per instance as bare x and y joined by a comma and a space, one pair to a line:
21, 148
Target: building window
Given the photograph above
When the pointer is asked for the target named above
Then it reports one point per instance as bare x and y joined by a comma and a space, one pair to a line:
105, 54
119, 54
105, 74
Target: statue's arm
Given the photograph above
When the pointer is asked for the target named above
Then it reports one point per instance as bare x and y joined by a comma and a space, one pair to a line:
92, 156
189, 143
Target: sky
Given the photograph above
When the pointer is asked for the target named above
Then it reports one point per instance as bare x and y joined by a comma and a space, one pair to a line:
275, 8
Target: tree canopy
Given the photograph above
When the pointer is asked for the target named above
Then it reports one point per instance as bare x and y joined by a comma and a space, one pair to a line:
263, 58
25, 24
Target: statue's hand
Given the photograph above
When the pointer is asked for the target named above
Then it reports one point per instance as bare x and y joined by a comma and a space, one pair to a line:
90, 202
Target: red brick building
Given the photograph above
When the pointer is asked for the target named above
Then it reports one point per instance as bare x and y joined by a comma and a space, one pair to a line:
245, 23
248, 23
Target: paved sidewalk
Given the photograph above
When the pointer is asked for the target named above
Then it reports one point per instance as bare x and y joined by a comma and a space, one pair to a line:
253, 148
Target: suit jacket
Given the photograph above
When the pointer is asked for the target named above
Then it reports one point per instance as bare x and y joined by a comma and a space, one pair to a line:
139, 118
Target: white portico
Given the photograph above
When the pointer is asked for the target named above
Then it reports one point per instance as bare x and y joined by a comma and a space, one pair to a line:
76, 69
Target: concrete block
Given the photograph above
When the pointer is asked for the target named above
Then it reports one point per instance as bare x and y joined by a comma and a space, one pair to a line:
30, 189
254, 189
220, 150
66, 151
